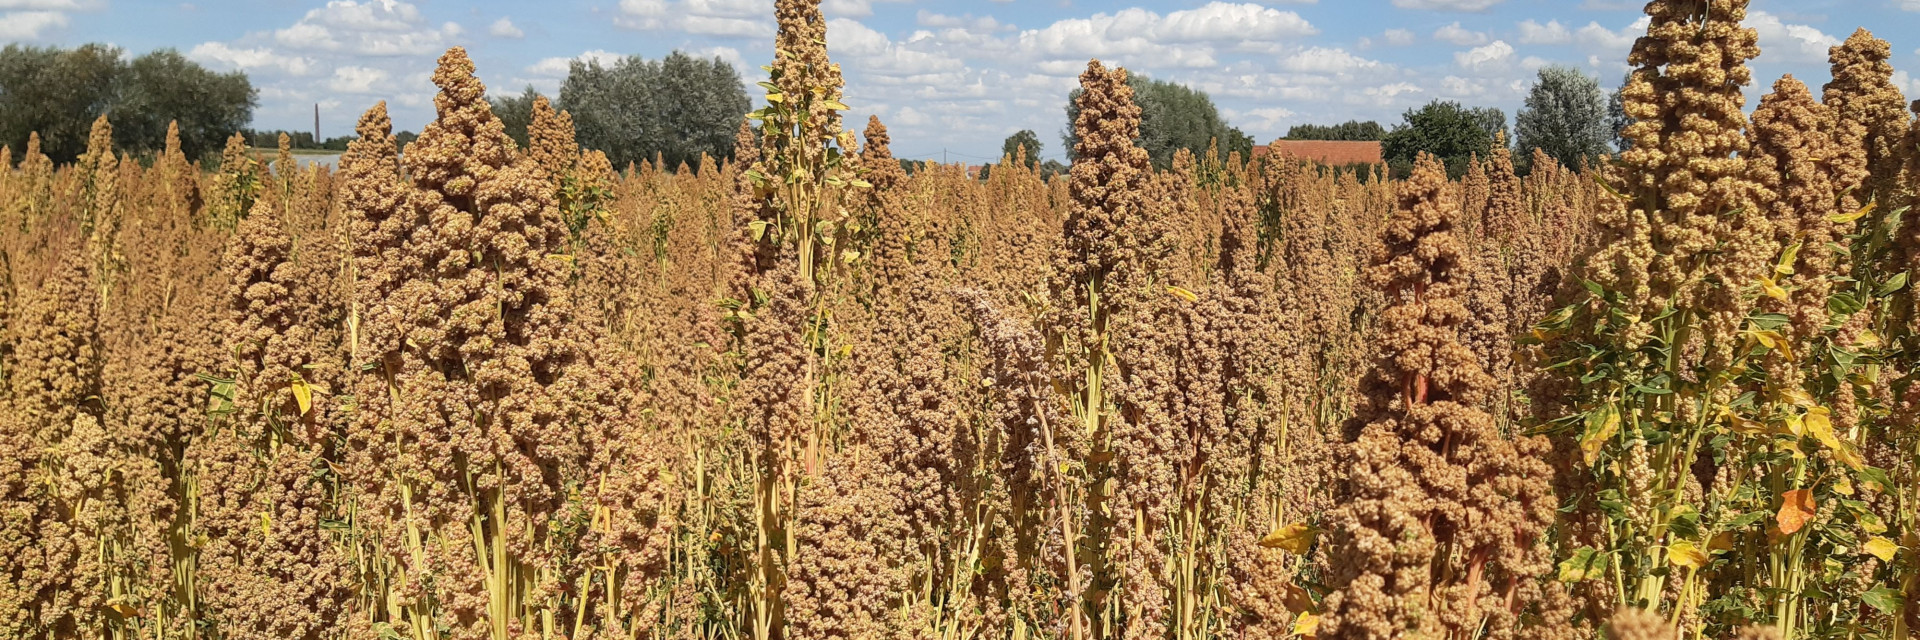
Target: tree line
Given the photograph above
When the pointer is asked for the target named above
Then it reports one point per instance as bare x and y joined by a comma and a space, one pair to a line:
679, 108
58, 93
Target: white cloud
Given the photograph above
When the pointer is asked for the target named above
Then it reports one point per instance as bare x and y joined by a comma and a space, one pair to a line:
1458, 35
1398, 37
1552, 32
1797, 42
1594, 37
221, 55
1147, 39
29, 25
723, 18
371, 28
1394, 90
504, 28
851, 8
867, 50
1493, 57
1448, 5
1328, 61
1268, 118
558, 67
968, 22
49, 5
357, 80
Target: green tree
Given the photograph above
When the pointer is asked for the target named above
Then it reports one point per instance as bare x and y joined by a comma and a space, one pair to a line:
1565, 116
1026, 139
676, 108
59, 92
56, 92
165, 87
1172, 117
516, 113
1447, 130
1351, 131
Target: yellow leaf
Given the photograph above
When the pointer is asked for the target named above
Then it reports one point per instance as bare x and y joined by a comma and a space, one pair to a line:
1686, 554
1787, 258
1296, 538
1307, 626
1600, 427
1740, 424
1798, 397
1773, 340
1843, 218
125, 610
1867, 340
1796, 508
1722, 541
775, 97
1184, 294
836, 105
1820, 425
1881, 548
1772, 290
302, 394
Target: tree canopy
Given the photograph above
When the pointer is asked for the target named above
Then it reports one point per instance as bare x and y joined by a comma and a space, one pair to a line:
677, 108
1451, 132
1565, 116
516, 113
1027, 139
1172, 117
60, 92
1349, 131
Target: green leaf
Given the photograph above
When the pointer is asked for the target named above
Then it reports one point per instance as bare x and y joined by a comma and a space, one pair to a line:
1895, 283
1586, 564
1747, 520
1594, 287
1770, 321
1875, 476
1887, 600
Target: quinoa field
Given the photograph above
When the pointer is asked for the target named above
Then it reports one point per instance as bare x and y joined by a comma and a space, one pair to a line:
486, 390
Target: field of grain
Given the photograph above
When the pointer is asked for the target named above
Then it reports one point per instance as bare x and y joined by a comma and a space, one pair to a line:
481, 391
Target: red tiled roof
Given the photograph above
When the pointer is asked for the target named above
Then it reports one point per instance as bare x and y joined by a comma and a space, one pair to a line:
1325, 151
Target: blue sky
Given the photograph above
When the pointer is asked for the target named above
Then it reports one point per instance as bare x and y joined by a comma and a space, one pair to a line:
952, 78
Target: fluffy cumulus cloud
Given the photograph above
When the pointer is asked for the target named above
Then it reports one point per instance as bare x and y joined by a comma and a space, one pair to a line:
1490, 58
1458, 35
1795, 42
250, 59
1532, 32
723, 18
504, 28
40, 20
30, 25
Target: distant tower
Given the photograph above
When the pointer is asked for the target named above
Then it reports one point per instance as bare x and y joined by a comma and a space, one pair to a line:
316, 124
